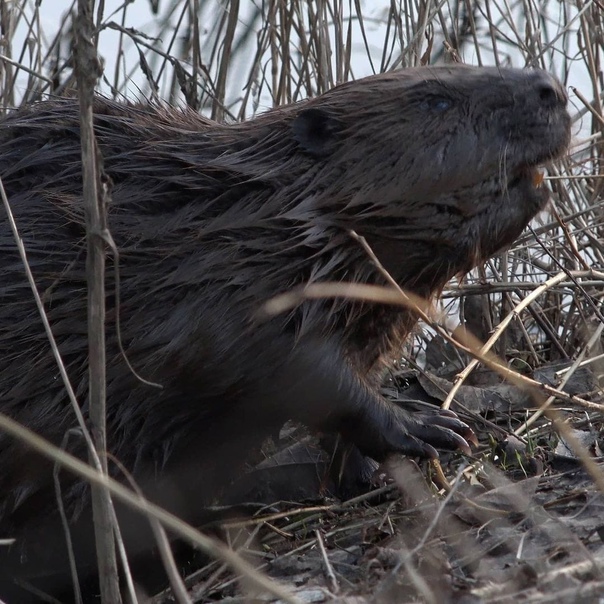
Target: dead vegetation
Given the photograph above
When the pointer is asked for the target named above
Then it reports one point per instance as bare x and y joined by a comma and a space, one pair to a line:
520, 520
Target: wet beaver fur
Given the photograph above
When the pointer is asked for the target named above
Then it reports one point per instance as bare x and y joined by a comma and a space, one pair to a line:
435, 167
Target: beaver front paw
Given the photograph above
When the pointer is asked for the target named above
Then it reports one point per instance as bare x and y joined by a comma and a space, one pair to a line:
417, 429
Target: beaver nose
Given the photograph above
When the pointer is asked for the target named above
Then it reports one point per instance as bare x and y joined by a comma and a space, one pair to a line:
549, 90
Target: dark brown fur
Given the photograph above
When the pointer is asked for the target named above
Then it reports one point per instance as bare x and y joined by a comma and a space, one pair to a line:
432, 166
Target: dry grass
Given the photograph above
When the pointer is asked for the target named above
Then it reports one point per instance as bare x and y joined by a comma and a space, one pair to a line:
233, 58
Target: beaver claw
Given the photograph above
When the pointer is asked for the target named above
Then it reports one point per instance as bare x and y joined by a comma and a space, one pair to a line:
430, 416
389, 429
437, 429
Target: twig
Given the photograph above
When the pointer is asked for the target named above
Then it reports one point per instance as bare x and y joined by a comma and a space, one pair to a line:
335, 588
88, 70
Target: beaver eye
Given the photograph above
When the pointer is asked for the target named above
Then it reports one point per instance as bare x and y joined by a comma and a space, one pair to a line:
436, 103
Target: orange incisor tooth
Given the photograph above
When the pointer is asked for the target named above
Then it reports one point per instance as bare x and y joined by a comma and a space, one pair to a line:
538, 178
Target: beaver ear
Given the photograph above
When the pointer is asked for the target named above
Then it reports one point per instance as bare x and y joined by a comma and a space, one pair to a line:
314, 130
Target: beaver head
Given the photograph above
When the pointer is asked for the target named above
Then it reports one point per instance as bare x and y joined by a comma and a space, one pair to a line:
436, 166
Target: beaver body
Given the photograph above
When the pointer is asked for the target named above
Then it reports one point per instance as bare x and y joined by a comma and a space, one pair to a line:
435, 167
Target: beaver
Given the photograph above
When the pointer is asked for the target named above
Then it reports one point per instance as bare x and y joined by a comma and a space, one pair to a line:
436, 167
